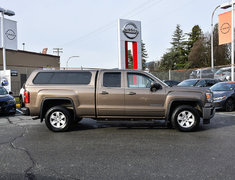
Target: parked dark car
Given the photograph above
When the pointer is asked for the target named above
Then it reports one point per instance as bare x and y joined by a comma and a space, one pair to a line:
224, 95
199, 82
171, 82
7, 102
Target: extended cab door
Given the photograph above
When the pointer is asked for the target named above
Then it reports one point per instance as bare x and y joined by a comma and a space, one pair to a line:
110, 94
139, 100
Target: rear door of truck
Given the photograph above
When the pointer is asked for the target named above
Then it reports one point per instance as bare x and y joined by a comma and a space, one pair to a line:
110, 93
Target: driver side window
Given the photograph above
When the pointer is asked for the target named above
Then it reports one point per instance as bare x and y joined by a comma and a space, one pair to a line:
201, 83
136, 80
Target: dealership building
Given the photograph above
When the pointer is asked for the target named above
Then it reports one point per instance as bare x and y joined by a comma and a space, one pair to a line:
22, 63
19, 63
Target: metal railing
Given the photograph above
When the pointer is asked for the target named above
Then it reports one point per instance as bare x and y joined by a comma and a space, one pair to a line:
222, 73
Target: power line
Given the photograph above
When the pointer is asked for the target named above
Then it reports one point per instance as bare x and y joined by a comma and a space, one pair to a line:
135, 11
147, 6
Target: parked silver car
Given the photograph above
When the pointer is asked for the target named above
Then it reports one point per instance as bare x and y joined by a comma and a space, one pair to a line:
202, 73
223, 74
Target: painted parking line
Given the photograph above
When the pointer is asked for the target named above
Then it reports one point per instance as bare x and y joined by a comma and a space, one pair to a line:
19, 111
226, 113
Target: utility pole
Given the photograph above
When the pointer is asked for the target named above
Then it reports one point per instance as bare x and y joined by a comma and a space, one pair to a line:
58, 51
23, 44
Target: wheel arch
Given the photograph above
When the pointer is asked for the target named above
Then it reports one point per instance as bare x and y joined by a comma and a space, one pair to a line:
47, 103
176, 103
233, 100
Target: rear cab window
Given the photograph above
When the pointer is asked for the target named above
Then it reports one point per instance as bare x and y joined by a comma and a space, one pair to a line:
82, 78
112, 79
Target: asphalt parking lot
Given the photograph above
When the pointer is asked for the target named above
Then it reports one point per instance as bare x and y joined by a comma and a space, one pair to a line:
28, 150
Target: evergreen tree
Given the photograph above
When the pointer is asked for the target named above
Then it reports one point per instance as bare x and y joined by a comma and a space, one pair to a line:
167, 61
193, 36
198, 57
178, 48
144, 55
176, 57
177, 38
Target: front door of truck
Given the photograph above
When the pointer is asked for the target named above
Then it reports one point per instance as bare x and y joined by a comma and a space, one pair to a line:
139, 100
110, 94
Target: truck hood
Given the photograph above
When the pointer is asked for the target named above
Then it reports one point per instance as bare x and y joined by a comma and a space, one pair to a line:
188, 89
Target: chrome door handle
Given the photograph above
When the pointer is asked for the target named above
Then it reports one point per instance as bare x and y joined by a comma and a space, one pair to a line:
132, 93
104, 92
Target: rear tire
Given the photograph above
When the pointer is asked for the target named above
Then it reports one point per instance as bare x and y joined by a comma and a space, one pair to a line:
185, 118
58, 119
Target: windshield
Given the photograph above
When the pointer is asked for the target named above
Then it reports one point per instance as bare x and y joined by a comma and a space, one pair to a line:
190, 82
3, 91
223, 87
219, 71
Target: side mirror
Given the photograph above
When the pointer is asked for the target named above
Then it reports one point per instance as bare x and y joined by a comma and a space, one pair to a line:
10, 93
227, 78
155, 86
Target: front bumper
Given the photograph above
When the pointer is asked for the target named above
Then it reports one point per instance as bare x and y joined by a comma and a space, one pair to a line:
208, 113
7, 108
219, 104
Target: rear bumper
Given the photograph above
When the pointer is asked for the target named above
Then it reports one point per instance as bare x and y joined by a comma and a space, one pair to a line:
25, 111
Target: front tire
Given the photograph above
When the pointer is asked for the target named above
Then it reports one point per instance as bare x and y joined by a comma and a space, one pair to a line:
185, 118
58, 119
229, 105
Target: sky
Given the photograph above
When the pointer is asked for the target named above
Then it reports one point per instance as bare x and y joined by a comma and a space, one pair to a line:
88, 28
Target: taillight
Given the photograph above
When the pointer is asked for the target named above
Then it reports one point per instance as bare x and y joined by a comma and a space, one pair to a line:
26, 97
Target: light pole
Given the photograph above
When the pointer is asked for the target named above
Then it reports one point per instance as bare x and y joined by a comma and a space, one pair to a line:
232, 49
8, 13
224, 6
212, 38
69, 59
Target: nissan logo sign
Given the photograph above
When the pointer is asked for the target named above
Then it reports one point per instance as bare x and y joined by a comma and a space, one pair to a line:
130, 30
10, 34
225, 28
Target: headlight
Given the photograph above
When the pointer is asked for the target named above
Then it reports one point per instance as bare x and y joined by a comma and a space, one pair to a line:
219, 98
209, 97
11, 101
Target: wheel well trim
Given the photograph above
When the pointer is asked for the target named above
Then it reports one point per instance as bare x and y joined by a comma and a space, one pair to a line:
230, 97
181, 100
46, 99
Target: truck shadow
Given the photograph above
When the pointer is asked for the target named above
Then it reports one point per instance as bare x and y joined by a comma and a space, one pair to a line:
87, 124
218, 122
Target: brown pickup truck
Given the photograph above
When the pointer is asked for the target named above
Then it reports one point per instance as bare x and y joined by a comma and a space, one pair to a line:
64, 97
